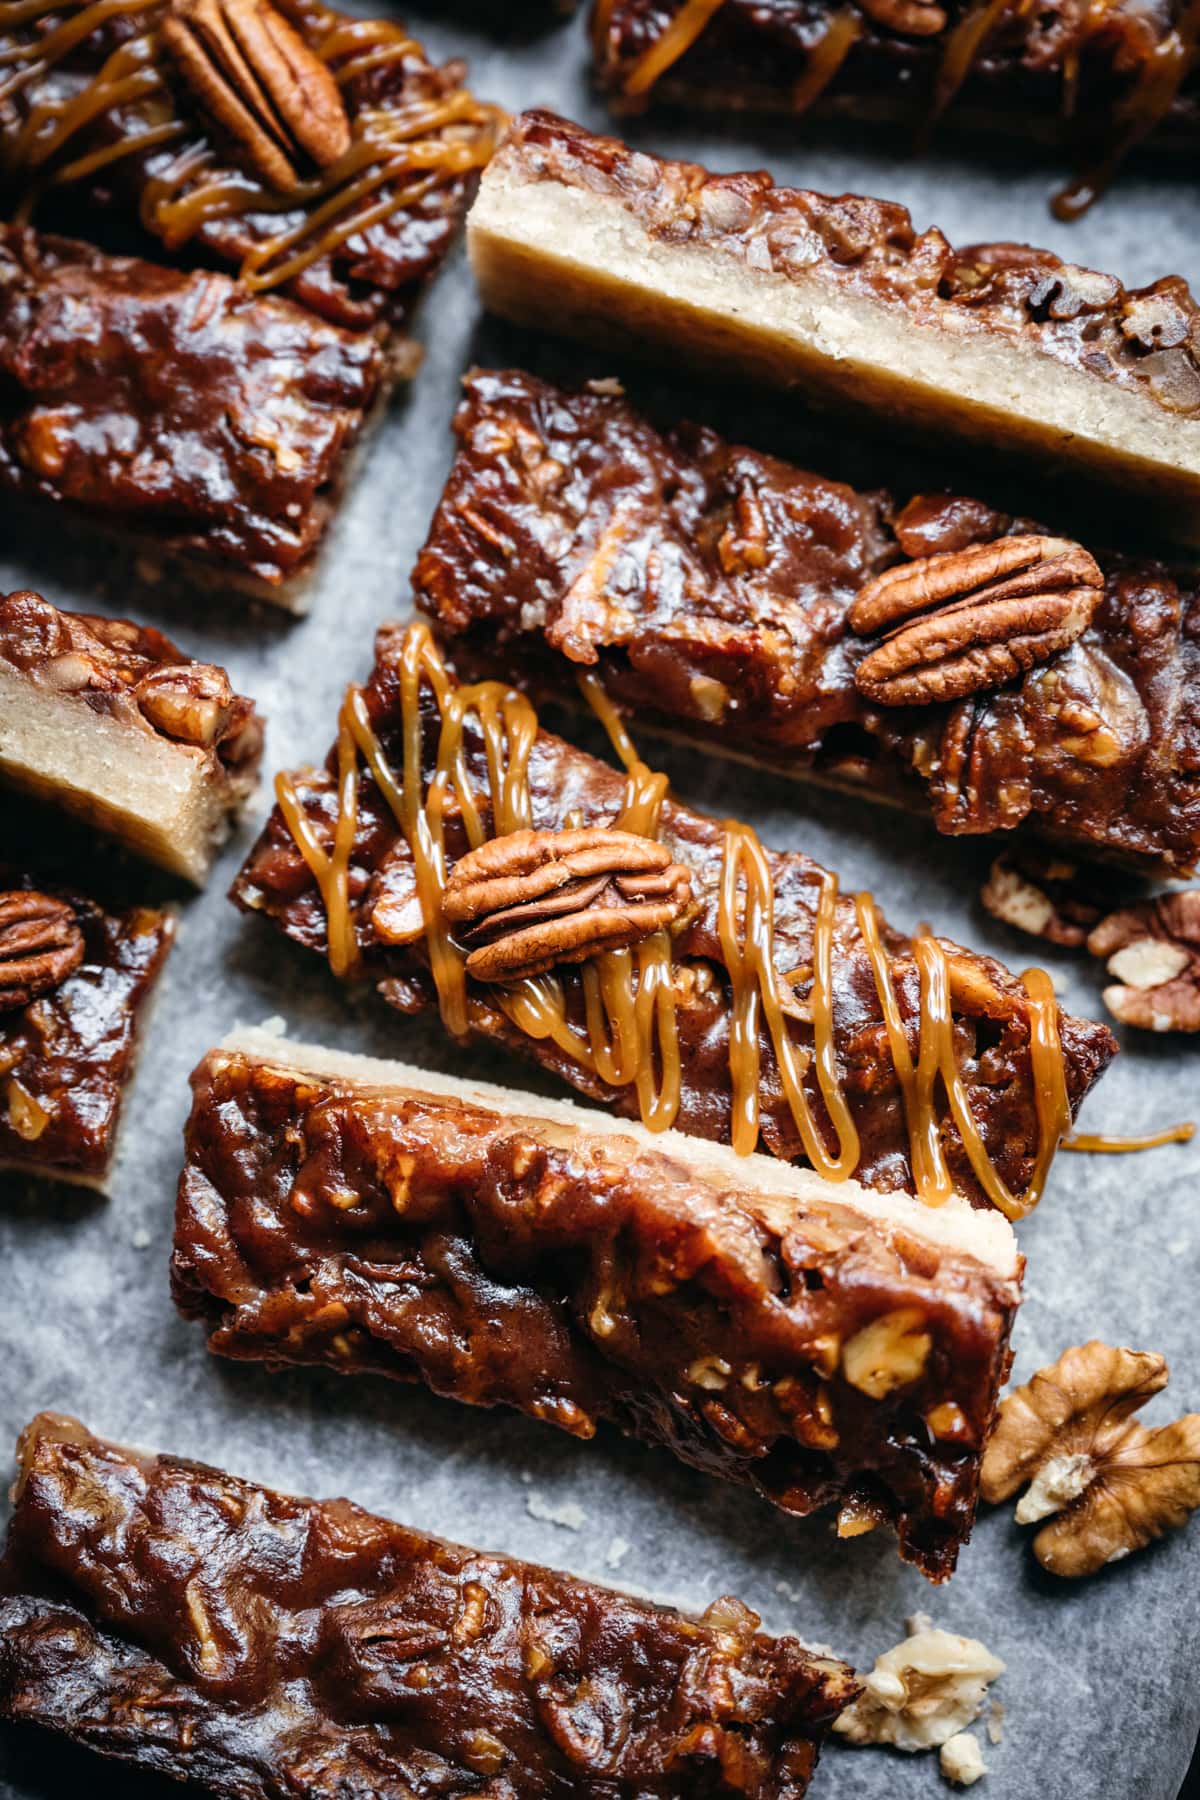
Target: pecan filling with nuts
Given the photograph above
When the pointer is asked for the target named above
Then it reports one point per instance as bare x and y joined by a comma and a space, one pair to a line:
1108, 1484
536, 898
261, 84
40, 945
967, 620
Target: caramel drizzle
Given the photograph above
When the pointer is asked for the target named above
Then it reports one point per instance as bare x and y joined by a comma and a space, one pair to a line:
1100, 1144
397, 156
630, 997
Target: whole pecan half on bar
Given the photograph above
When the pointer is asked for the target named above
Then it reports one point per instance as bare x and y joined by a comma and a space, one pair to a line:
40, 945
256, 77
532, 899
970, 619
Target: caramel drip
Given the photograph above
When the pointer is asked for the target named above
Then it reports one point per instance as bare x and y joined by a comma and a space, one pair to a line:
962, 48
331, 869
1100, 1144
594, 692
826, 57
674, 43
397, 157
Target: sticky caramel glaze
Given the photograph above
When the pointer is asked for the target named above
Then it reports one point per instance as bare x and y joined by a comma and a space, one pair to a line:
1100, 1144
628, 1035
257, 1644
91, 88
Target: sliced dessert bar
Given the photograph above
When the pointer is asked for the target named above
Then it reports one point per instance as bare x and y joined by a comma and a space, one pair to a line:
110, 720
825, 1344
75, 978
260, 1645
997, 342
663, 963
715, 592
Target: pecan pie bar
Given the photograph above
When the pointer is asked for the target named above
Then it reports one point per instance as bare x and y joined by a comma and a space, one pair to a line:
110, 720
75, 978
997, 342
936, 654
460, 857
313, 153
260, 1645
209, 423
822, 1343
1098, 79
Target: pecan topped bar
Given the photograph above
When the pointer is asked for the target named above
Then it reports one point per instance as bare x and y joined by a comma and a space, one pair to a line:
75, 978
313, 152
769, 1007
937, 654
257, 1644
110, 720
999, 342
823, 1344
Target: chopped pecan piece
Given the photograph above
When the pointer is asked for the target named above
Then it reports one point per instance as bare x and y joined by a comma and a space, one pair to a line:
258, 79
535, 898
923, 1692
1108, 1484
973, 618
40, 945
1046, 895
1153, 949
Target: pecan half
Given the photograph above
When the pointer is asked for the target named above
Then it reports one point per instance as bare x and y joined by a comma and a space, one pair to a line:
532, 899
256, 77
1153, 949
40, 945
972, 619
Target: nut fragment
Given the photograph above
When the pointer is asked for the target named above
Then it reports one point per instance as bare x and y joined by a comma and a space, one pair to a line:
1109, 1484
191, 702
1035, 891
532, 899
257, 78
961, 1760
40, 945
888, 1353
922, 1693
1153, 949
973, 618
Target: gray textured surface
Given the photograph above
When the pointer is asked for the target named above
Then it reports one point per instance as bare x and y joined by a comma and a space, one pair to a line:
1100, 1693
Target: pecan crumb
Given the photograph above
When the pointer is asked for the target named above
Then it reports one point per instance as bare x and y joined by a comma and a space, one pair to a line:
922, 1693
961, 1760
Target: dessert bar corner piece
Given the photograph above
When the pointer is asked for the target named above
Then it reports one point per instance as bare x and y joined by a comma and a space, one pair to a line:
825, 1345
1000, 343
75, 980
1039, 685
185, 1621
669, 966
109, 720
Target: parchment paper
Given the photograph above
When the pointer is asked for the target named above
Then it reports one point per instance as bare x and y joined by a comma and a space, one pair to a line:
1100, 1693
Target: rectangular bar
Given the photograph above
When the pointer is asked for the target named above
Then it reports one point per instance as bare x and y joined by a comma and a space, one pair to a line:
110, 721
709, 589
184, 1621
209, 423
75, 979
826, 1345
998, 343
753, 1005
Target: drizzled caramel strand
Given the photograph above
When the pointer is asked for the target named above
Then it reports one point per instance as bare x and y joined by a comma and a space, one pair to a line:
1101, 1144
629, 1034
398, 155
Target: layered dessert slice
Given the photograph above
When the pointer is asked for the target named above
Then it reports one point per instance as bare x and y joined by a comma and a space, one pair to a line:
197, 1625
707, 590
998, 342
670, 966
109, 720
313, 153
206, 422
827, 1345
75, 979
1097, 79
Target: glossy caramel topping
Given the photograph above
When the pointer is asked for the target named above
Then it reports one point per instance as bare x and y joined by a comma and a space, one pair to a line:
1100, 1143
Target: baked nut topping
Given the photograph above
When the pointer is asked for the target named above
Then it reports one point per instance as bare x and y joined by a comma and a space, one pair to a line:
972, 619
1153, 949
532, 899
1108, 1484
258, 79
922, 1693
40, 945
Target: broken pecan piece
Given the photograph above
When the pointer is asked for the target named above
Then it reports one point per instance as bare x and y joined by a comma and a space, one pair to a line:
1109, 1484
258, 79
1153, 949
973, 618
40, 945
1048, 896
532, 899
